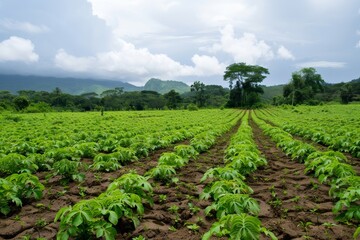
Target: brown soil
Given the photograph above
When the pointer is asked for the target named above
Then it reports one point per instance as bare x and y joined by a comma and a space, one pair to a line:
290, 200
160, 223
36, 218
302, 199
355, 162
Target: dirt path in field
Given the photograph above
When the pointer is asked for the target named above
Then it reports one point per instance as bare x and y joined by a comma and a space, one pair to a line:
293, 205
162, 221
36, 218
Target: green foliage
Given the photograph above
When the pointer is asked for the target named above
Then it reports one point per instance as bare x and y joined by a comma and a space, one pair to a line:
98, 217
69, 170
186, 151
328, 165
16, 163
222, 173
202, 141
246, 162
192, 107
16, 187
218, 188
70, 153
303, 86
357, 233
88, 149
106, 166
246, 89
133, 183
163, 173
172, 159
234, 204
237, 227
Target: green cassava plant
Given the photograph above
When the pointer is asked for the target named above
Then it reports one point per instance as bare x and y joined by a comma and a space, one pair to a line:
234, 204
16, 187
69, 170
238, 227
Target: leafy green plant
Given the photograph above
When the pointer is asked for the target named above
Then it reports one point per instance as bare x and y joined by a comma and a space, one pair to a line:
163, 173
106, 166
193, 227
70, 153
186, 151
162, 198
174, 209
356, 233
172, 159
218, 188
139, 238
328, 165
238, 227
69, 170
133, 183
193, 209
17, 187
16, 163
234, 204
246, 162
97, 217
305, 225
88, 149
222, 173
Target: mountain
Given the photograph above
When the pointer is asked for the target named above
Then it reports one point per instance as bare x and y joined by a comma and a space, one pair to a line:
75, 86
272, 91
162, 86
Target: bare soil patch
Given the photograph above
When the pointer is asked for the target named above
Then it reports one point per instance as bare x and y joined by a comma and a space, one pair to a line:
293, 205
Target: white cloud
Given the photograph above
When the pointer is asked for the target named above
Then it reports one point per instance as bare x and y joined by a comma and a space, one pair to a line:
128, 60
68, 62
322, 64
206, 65
23, 26
244, 49
358, 45
17, 49
132, 18
284, 53
219, 13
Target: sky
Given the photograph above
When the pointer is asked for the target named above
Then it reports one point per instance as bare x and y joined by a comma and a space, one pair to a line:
184, 40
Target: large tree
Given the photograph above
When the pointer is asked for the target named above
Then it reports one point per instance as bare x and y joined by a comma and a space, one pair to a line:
303, 86
173, 99
199, 89
246, 79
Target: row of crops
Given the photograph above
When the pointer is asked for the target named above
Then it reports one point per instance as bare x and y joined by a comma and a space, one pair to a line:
63, 147
329, 167
337, 126
109, 142
233, 205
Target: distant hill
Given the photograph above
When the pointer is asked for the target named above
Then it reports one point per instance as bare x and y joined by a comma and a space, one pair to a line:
162, 86
75, 86
272, 91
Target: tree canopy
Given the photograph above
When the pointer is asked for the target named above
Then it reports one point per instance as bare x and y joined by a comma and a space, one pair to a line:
303, 86
244, 83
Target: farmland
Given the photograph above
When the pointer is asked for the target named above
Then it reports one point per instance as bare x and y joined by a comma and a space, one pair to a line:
286, 173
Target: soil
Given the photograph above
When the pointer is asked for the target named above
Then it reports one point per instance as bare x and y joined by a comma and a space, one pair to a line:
36, 218
293, 205
296, 201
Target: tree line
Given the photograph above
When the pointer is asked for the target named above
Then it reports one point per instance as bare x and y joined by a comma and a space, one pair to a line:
209, 96
306, 86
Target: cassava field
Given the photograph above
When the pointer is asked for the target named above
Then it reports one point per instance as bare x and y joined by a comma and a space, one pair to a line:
276, 173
